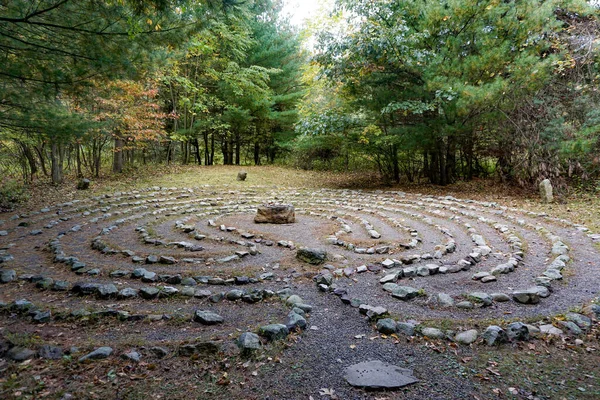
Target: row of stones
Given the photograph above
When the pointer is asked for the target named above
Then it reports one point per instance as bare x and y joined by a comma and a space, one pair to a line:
110, 290
576, 324
247, 342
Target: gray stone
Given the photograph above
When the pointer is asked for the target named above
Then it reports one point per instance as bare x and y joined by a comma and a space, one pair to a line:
542, 291
168, 291
406, 328
132, 356
432, 333
202, 293
127, 293
546, 191
275, 214
274, 331
494, 335
304, 307
228, 259
234, 295
378, 375
500, 297
387, 326
159, 352
148, 293
580, 320
466, 337
242, 175
207, 317
295, 321
551, 330
149, 277
138, 273
465, 305
249, 342
526, 296
42, 316
571, 327
376, 312
480, 297
324, 279
50, 352
7, 276
480, 275
20, 354
517, 331
445, 300
423, 270
488, 279
60, 286
151, 259
98, 354
405, 293
107, 291
390, 287
312, 256
553, 274
393, 277
293, 299
167, 260
119, 273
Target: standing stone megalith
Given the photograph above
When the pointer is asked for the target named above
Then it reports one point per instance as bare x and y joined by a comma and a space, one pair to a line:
546, 191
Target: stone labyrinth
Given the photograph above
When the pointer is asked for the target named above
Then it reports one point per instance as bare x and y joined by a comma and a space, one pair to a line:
190, 268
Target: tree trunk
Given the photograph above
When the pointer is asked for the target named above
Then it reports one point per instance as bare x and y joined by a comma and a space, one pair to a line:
78, 150
56, 158
256, 153
212, 149
237, 150
197, 152
118, 155
30, 159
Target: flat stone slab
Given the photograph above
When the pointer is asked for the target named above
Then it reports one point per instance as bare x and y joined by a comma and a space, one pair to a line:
378, 375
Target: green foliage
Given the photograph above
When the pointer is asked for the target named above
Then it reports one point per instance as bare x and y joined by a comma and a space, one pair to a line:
12, 193
434, 75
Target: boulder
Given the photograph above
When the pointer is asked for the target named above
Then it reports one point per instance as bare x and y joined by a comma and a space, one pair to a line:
242, 175
275, 214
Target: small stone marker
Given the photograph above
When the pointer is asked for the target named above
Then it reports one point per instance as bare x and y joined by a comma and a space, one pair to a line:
378, 375
275, 214
242, 175
83, 184
546, 191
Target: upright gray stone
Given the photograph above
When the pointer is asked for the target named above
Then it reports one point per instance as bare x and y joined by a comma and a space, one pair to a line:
242, 175
546, 191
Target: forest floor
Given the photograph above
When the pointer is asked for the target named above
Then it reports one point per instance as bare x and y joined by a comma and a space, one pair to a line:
309, 364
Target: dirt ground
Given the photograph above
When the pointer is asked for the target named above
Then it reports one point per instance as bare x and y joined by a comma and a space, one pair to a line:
309, 363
